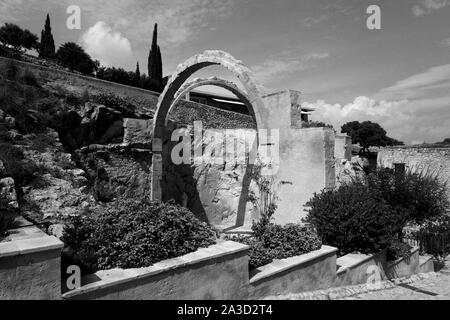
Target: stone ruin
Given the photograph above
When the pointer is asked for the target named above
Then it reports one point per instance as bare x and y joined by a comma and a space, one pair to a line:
307, 157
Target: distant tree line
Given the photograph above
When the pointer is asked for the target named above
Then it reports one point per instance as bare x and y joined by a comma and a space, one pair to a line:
72, 56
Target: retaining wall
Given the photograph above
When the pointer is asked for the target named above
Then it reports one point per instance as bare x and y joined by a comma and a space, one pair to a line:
30, 263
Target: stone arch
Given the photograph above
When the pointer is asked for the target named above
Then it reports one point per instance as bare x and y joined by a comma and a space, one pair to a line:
213, 81
183, 72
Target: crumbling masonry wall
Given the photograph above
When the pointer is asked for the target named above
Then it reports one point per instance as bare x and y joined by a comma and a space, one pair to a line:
429, 160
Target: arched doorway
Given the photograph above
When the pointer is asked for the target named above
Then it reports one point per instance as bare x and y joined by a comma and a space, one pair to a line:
171, 91
213, 81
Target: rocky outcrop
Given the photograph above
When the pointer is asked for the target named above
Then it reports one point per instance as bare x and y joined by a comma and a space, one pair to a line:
101, 125
346, 171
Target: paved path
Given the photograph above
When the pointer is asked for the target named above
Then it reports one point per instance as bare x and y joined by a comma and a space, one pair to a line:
432, 288
428, 286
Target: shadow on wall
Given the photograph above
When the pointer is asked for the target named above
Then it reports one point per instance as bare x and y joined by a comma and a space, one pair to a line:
217, 194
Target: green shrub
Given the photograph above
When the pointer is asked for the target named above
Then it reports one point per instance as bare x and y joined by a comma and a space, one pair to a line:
21, 170
271, 241
433, 236
133, 234
398, 249
353, 218
315, 124
416, 196
258, 254
6, 216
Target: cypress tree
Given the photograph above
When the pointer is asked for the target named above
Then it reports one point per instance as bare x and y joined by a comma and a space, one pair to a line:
154, 59
47, 46
137, 76
138, 72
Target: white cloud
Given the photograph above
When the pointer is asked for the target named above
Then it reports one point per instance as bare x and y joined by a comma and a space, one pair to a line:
445, 43
272, 69
418, 84
406, 109
361, 109
109, 47
428, 6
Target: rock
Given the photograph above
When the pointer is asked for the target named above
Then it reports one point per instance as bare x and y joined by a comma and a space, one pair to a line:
114, 134
137, 131
77, 172
100, 124
8, 190
56, 230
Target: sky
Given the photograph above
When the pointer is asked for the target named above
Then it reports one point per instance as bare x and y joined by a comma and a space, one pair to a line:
398, 76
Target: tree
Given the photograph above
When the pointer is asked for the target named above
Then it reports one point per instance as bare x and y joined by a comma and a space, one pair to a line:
72, 56
155, 71
13, 36
368, 134
137, 76
138, 72
47, 46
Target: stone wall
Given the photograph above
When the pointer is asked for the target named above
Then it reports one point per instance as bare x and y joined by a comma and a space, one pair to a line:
30, 263
217, 272
435, 161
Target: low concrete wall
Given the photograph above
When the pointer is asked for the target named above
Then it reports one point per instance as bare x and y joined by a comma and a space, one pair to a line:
404, 267
30, 265
312, 271
355, 269
426, 264
217, 272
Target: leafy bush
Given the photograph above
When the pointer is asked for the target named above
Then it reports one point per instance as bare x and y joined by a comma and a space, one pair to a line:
353, 218
369, 214
315, 124
416, 196
17, 38
133, 234
278, 242
22, 171
398, 249
6, 216
72, 56
433, 236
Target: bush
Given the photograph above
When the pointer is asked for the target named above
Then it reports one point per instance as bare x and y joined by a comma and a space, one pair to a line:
6, 216
398, 249
353, 218
133, 234
416, 196
72, 56
315, 124
271, 241
433, 236
22, 171
17, 38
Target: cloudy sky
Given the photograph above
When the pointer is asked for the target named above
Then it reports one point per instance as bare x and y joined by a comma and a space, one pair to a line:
398, 76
